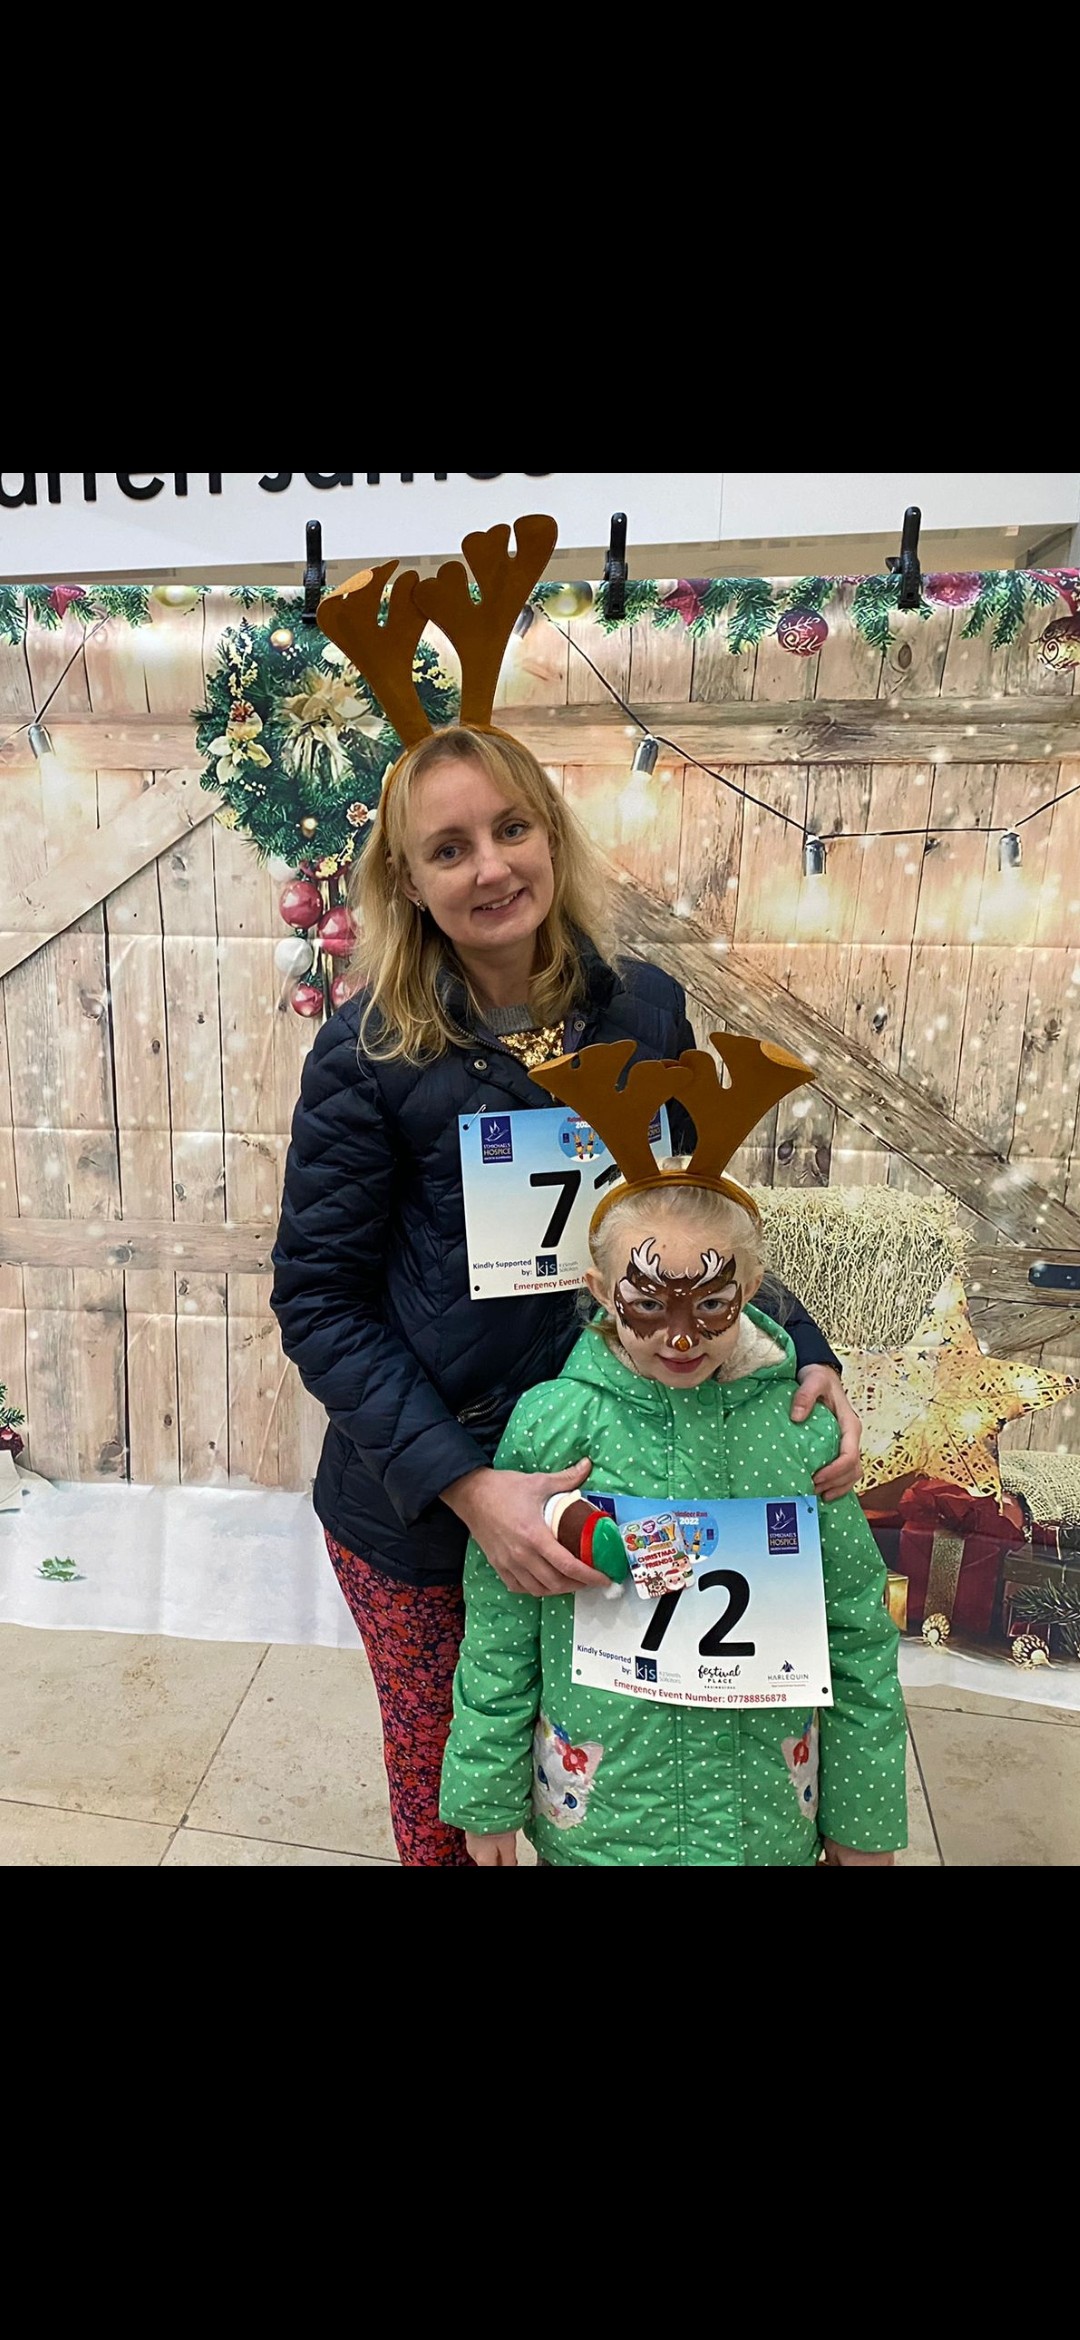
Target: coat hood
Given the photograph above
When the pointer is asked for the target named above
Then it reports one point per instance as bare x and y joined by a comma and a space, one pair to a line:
599, 1366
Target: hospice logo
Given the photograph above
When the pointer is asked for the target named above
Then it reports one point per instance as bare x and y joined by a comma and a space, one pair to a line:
782, 1522
496, 1140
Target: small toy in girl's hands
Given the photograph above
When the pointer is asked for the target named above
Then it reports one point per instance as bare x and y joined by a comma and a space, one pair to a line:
591, 1536
659, 1560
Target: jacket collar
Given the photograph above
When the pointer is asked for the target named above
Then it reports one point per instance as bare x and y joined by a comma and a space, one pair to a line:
600, 983
596, 1363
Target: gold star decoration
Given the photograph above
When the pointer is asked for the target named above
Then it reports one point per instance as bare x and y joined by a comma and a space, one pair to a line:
934, 1408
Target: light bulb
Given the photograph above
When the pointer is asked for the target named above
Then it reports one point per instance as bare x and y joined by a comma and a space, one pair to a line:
647, 755
1010, 851
814, 857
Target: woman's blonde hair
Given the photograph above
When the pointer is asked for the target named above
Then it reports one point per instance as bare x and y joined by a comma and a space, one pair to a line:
402, 958
730, 1228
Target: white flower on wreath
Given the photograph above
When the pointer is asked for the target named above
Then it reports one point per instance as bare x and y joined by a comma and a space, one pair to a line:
238, 745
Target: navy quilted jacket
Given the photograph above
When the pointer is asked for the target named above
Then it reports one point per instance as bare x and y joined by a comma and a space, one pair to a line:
371, 1286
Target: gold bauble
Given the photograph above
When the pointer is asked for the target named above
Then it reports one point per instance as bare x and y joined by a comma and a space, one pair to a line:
282, 639
309, 827
175, 596
1028, 1651
569, 601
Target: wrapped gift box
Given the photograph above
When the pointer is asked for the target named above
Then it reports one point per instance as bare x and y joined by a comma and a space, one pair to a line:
896, 1600
1041, 1596
953, 1550
885, 1528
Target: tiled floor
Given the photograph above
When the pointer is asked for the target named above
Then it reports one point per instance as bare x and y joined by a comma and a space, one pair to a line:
118, 1752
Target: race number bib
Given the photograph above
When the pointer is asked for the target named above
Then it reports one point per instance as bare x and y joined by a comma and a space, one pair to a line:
532, 1182
749, 1631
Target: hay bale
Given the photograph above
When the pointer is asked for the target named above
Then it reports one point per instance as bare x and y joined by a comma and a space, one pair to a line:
1048, 1483
865, 1260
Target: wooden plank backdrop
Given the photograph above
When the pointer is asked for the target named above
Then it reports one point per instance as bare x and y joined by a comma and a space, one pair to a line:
149, 1060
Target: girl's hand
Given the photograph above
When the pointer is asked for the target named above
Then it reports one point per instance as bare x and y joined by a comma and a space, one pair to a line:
840, 1856
820, 1386
493, 1852
504, 1512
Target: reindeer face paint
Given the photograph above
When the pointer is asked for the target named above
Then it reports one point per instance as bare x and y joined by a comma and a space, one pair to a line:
678, 1319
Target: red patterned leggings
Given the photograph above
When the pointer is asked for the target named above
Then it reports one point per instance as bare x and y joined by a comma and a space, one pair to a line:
412, 1635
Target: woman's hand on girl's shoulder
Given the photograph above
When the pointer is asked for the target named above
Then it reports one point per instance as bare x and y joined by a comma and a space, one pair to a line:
820, 1386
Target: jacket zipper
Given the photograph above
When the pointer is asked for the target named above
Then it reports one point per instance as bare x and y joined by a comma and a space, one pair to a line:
676, 1717
485, 1411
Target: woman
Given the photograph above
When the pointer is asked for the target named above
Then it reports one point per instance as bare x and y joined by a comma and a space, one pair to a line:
485, 950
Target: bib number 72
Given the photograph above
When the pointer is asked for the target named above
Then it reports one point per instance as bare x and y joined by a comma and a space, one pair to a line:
715, 1642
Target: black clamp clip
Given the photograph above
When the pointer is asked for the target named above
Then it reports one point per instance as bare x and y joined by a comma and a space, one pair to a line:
616, 572
906, 562
314, 574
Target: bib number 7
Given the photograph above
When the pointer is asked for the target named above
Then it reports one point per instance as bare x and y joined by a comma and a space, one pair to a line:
715, 1642
570, 1183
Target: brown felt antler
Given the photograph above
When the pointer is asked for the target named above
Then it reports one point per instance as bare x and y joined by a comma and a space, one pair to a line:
760, 1075
383, 654
480, 630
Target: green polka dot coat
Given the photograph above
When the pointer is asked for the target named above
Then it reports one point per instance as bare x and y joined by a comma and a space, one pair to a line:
598, 1780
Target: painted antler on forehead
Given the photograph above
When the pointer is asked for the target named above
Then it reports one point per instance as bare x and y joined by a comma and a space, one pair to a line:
383, 654
480, 630
760, 1075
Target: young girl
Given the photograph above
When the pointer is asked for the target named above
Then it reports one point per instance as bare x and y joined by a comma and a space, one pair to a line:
679, 1390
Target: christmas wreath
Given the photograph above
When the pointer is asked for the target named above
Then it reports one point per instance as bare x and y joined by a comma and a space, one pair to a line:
295, 743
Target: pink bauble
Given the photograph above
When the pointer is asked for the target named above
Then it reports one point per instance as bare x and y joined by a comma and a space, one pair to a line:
340, 990
308, 1000
802, 631
957, 590
1060, 645
337, 934
301, 903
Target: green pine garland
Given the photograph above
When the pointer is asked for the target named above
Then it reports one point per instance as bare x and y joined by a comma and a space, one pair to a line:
754, 612
809, 593
1004, 596
291, 734
50, 604
10, 1417
642, 602
1050, 1605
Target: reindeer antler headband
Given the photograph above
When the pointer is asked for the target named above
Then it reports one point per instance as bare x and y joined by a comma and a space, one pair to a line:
479, 630
589, 1083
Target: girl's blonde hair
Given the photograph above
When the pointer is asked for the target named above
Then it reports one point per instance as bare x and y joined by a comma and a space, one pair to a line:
730, 1229
402, 958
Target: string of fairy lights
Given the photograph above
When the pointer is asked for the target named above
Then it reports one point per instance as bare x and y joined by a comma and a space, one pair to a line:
815, 848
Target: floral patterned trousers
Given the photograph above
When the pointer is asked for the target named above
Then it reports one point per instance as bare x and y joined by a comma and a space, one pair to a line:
412, 1635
